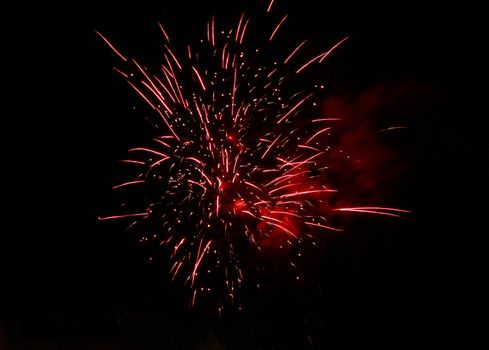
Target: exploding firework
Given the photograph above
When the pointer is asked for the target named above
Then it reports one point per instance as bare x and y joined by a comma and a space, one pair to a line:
239, 167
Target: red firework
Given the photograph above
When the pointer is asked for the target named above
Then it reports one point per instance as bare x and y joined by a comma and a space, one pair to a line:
241, 167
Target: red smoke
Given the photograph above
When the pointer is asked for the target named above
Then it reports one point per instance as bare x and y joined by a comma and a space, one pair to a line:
369, 162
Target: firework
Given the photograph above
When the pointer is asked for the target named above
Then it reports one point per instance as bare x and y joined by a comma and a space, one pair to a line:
239, 166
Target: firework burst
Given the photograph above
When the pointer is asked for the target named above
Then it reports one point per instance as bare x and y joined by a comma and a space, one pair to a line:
239, 166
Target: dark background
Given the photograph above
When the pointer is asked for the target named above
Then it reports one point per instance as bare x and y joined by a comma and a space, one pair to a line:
72, 282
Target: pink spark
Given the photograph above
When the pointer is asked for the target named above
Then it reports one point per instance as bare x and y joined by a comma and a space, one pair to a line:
128, 183
122, 216
149, 151
288, 195
121, 72
285, 213
293, 52
295, 107
303, 162
375, 210
212, 32
197, 183
324, 226
282, 187
281, 227
173, 56
270, 5
276, 28
199, 77
309, 147
325, 120
253, 185
195, 160
164, 32
141, 94
243, 32
112, 46
326, 54
199, 259
270, 147
132, 161
316, 134
239, 25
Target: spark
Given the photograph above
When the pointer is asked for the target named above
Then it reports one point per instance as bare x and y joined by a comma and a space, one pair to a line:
111, 46
375, 210
321, 56
122, 216
128, 183
295, 51
276, 28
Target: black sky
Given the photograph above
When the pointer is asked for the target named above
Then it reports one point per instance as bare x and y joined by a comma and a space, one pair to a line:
67, 118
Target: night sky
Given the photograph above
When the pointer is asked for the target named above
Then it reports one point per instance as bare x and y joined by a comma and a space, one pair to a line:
73, 282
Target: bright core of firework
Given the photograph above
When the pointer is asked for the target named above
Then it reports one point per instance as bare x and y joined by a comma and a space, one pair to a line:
239, 164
